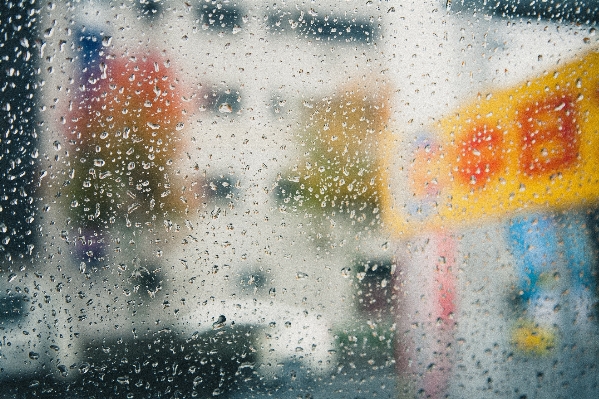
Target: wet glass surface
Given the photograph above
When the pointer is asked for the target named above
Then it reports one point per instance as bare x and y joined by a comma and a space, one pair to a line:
299, 199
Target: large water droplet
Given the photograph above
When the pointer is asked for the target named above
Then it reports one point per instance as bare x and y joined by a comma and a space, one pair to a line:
124, 380
153, 126
225, 108
220, 322
64, 371
84, 368
301, 276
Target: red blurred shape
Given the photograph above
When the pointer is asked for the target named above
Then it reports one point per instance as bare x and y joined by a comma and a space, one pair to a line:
480, 156
549, 135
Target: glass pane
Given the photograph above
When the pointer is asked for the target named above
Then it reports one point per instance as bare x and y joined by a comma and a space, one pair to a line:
299, 199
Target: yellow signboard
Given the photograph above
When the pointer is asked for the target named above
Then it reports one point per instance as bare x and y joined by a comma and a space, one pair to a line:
532, 147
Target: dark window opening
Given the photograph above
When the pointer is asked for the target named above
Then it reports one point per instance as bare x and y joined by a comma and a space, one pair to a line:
12, 309
219, 17
324, 27
584, 12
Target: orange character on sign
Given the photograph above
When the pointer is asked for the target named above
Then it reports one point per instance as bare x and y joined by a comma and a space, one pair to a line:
480, 155
549, 139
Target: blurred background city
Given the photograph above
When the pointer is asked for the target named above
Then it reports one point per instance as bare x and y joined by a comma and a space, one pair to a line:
290, 199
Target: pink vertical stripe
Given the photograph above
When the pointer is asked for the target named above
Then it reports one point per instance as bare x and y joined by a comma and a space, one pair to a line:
436, 379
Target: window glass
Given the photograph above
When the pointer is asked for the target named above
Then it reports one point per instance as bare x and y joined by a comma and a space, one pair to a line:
290, 199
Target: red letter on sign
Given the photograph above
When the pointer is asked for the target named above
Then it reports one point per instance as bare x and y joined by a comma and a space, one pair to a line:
549, 135
480, 156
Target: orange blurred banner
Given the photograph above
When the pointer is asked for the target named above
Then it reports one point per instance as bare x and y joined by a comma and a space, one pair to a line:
530, 147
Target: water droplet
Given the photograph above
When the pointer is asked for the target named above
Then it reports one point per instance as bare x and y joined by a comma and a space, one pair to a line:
225, 108
34, 355
56, 145
301, 276
99, 162
220, 322
64, 371
103, 70
153, 126
84, 368
346, 272
124, 380
82, 267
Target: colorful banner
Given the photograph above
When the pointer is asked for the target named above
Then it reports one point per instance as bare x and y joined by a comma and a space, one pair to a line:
532, 147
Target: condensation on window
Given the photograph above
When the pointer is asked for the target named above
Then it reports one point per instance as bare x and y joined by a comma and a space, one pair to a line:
299, 199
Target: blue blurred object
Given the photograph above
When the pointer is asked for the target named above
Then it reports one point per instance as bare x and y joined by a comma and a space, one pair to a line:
548, 248
578, 253
91, 54
534, 243
91, 46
